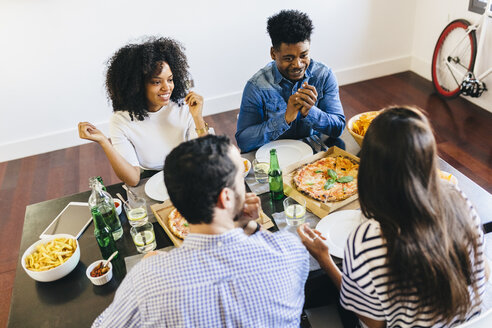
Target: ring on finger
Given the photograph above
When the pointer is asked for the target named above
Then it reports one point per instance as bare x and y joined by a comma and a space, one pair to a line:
315, 237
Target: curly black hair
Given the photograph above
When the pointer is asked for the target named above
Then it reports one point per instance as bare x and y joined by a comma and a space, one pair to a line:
289, 26
134, 64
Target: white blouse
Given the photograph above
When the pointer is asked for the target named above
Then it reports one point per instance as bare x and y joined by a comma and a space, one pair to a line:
146, 143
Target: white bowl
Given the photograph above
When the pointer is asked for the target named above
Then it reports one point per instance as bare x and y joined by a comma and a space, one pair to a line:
247, 166
101, 280
117, 205
55, 273
448, 177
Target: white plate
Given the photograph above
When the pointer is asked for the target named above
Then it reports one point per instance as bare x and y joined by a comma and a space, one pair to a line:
155, 187
336, 227
288, 151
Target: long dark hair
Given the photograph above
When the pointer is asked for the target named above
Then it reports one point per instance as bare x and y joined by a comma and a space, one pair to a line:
426, 223
134, 64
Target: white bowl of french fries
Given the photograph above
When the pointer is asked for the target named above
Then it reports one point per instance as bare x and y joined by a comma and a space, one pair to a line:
358, 125
51, 258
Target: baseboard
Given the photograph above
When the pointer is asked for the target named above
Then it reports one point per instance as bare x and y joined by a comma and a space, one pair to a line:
214, 105
222, 103
45, 143
421, 67
373, 70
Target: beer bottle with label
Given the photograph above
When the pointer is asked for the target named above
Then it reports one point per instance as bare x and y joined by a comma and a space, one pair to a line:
103, 203
275, 177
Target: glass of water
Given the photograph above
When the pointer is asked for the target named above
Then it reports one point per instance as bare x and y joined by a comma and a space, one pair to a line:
295, 211
261, 171
143, 237
137, 211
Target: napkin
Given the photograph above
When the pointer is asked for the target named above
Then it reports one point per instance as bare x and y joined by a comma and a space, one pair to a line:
311, 219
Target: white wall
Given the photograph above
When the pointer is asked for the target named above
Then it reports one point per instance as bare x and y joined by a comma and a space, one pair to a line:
53, 54
431, 16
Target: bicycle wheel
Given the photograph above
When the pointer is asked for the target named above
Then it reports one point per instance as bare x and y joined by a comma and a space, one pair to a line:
454, 56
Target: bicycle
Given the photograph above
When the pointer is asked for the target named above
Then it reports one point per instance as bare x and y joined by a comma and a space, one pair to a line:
455, 55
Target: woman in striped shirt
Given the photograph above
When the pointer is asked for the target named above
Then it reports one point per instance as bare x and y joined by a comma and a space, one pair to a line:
418, 260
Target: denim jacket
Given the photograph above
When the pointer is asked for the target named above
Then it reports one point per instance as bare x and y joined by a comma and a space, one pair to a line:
262, 113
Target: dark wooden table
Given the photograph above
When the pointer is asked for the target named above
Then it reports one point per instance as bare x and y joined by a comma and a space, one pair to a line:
71, 301
74, 302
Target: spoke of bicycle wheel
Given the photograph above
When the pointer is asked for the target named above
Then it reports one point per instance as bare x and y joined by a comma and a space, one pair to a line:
454, 78
459, 63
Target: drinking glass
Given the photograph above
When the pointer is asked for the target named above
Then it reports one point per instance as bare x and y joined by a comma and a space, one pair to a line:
143, 237
295, 211
261, 171
137, 211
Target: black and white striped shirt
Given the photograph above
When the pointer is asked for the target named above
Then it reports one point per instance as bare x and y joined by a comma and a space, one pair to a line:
365, 280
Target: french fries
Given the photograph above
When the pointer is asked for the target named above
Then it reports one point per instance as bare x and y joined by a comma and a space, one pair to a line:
448, 177
361, 125
52, 254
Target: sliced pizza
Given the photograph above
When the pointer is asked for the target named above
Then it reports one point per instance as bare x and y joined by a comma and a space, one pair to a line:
178, 224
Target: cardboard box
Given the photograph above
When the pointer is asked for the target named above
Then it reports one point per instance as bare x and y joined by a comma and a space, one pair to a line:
316, 207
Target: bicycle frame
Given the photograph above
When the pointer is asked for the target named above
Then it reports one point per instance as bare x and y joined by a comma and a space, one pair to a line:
484, 20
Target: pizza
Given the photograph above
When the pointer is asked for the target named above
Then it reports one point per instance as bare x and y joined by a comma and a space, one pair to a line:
330, 179
178, 224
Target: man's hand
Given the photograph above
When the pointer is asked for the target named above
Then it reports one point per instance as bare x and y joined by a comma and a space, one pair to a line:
306, 98
292, 108
251, 212
251, 209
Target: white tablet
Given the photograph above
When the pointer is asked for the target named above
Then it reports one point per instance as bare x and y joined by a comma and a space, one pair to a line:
73, 220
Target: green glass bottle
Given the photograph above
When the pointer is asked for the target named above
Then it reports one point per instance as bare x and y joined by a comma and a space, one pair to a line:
105, 206
100, 179
106, 243
104, 235
275, 177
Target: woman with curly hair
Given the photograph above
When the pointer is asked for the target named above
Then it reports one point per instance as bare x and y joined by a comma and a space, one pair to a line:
418, 261
153, 110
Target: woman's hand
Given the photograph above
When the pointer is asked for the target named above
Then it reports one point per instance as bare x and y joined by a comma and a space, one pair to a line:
313, 240
90, 132
125, 171
195, 103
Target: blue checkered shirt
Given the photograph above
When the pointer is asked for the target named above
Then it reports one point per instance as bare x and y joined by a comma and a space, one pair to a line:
227, 280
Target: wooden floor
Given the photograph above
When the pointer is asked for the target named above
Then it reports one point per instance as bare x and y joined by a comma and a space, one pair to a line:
463, 132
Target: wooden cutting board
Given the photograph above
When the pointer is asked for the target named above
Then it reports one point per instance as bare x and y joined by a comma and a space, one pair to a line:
161, 212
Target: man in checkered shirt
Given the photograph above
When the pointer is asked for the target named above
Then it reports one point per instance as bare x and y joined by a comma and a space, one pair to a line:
220, 276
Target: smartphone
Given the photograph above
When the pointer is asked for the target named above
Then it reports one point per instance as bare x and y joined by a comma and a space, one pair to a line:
72, 220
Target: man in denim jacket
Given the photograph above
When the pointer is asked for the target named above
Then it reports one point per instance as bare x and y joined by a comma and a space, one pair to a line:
293, 96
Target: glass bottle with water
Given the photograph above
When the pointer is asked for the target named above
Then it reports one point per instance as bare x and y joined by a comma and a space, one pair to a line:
102, 204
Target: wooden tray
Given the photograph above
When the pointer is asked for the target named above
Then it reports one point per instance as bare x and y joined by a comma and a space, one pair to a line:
161, 212
318, 208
